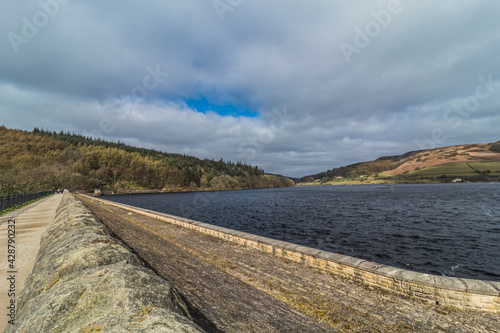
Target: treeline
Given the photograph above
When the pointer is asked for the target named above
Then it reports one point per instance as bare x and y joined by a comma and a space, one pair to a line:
495, 147
354, 170
182, 161
42, 159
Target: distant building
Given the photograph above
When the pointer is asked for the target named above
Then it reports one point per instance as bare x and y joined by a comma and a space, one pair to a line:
457, 180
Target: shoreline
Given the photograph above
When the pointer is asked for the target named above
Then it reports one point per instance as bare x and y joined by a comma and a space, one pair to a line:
131, 192
345, 183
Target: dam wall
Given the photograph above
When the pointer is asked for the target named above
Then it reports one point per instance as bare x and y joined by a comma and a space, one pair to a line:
440, 290
85, 280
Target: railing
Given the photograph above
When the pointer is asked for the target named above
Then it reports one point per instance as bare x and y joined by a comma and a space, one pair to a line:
8, 201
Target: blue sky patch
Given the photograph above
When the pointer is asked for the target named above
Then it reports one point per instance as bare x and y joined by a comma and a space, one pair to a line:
203, 105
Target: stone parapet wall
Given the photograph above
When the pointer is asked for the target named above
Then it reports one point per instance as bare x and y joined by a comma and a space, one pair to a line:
441, 290
85, 280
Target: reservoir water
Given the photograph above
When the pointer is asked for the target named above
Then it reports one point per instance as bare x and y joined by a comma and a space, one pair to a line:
444, 229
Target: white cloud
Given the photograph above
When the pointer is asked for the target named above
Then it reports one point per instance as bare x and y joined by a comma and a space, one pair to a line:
80, 70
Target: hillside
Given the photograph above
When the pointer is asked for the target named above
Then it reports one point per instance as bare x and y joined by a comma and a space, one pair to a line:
44, 160
473, 162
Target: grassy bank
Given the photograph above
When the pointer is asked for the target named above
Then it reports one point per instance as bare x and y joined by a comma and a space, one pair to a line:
13, 208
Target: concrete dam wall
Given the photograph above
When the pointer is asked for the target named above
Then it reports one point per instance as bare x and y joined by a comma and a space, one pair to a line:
441, 290
85, 280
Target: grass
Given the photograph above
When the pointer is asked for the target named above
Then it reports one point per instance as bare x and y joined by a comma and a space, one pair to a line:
452, 169
385, 175
494, 167
456, 169
5, 211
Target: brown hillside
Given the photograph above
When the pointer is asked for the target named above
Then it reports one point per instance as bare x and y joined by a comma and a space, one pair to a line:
487, 152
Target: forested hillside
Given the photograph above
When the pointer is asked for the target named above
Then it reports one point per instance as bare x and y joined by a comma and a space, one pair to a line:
41, 160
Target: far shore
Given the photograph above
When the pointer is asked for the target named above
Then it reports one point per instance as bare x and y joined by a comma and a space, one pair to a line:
381, 182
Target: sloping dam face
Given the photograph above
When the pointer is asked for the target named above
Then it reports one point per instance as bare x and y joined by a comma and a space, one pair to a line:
85, 280
462, 293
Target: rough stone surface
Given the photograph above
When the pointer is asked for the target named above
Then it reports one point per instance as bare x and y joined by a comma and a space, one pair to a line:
428, 288
84, 280
217, 297
343, 303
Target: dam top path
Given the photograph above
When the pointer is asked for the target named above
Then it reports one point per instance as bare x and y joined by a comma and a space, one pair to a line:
233, 288
31, 222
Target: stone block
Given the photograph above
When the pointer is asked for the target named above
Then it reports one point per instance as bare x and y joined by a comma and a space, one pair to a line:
388, 271
456, 295
416, 289
350, 261
450, 283
490, 306
370, 266
486, 299
495, 285
451, 301
334, 258
426, 292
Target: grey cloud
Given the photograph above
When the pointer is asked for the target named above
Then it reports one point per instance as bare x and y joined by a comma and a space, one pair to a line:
84, 69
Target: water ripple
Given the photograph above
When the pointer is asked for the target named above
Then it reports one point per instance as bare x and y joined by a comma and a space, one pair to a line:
445, 229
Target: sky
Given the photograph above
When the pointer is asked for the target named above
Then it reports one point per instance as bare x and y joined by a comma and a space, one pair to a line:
296, 87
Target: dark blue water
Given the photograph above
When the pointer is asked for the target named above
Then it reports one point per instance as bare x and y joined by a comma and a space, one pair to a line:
444, 229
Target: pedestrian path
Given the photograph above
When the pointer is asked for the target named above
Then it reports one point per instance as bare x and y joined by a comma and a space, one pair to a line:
22, 230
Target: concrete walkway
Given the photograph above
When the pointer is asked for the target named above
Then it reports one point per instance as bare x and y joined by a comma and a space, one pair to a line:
30, 223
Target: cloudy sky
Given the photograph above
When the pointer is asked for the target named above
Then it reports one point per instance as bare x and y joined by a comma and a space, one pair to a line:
296, 87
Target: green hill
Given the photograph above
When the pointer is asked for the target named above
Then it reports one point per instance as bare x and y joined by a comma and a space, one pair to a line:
45, 160
473, 162
477, 171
